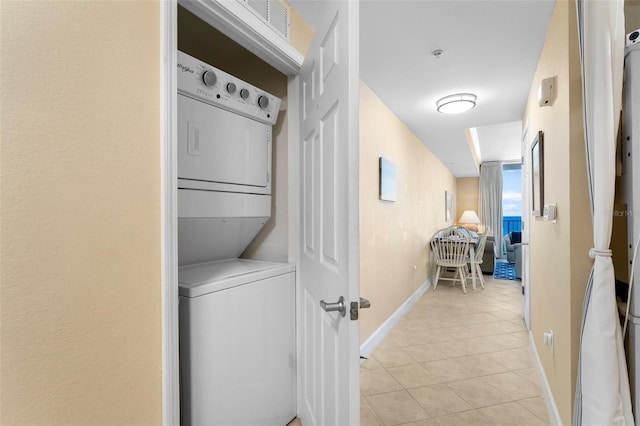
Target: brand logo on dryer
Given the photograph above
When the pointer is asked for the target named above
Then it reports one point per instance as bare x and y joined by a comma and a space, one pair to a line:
184, 68
204, 93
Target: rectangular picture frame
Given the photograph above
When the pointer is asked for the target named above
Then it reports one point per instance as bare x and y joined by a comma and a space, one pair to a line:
448, 206
537, 174
387, 174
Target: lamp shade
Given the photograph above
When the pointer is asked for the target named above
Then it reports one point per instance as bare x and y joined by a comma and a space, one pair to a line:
469, 216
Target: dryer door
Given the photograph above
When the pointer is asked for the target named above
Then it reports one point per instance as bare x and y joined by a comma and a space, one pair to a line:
220, 150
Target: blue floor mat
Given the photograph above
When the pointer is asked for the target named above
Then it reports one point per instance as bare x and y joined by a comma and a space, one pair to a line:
504, 271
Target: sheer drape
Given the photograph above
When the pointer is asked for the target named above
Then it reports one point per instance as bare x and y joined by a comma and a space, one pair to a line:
602, 388
490, 200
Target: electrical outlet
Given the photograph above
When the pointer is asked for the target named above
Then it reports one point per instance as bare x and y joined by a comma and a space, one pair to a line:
548, 340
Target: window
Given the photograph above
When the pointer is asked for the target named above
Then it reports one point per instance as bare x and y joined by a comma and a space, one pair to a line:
511, 198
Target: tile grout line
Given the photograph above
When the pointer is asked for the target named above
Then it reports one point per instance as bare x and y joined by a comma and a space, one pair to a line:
417, 316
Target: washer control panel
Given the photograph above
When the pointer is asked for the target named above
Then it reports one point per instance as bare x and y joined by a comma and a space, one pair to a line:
206, 83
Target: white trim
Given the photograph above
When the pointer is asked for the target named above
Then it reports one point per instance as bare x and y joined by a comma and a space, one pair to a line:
376, 338
552, 408
293, 162
169, 214
525, 279
294, 178
238, 23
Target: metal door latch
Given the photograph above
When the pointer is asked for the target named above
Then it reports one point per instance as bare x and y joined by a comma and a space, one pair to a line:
355, 306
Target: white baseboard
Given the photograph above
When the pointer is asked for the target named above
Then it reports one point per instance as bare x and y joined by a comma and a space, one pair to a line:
378, 336
552, 408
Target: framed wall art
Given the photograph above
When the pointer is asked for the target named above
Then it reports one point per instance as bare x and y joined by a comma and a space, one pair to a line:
387, 180
448, 206
537, 174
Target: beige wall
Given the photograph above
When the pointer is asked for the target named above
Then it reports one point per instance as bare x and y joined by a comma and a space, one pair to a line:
631, 15
467, 195
80, 262
394, 258
301, 32
559, 261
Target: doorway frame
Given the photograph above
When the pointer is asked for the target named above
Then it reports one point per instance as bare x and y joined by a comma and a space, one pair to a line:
246, 29
526, 225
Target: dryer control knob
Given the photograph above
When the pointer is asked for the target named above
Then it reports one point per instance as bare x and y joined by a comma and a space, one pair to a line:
231, 87
263, 102
209, 78
244, 93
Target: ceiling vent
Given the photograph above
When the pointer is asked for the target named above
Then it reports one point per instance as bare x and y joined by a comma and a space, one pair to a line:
274, 12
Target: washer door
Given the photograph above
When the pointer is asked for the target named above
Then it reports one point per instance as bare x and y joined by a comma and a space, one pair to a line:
220, 150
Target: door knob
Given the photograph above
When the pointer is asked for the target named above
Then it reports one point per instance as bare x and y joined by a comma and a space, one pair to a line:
338, 306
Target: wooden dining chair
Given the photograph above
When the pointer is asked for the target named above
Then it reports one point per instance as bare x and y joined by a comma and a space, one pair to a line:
476, 261
450, 248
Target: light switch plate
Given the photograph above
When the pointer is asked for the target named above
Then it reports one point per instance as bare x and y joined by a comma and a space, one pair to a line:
549, 212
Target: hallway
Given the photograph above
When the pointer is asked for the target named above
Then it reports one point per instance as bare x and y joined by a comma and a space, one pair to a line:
455, 359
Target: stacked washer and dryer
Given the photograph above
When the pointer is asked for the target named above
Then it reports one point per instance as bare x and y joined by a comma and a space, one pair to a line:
237, 318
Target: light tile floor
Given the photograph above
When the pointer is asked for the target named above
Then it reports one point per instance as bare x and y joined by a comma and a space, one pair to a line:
455, 359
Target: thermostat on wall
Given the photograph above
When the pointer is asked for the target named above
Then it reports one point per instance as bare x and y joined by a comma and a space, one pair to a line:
547, 92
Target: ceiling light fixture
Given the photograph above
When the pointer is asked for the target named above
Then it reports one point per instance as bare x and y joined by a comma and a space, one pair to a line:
455, 104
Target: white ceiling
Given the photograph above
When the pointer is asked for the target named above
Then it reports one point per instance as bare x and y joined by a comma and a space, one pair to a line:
491, 49
500, 142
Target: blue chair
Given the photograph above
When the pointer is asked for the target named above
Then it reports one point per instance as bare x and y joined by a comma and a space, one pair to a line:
512, 240
513, 244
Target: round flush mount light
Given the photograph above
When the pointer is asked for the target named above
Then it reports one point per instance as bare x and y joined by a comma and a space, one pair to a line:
455, 104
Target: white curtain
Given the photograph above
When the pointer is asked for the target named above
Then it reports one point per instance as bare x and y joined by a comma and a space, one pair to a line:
602, 388
490, 200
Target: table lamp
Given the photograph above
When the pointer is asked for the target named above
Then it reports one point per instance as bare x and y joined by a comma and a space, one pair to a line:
469, 220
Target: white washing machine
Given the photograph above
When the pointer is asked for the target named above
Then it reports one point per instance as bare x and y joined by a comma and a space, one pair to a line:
237, 316
237, 343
